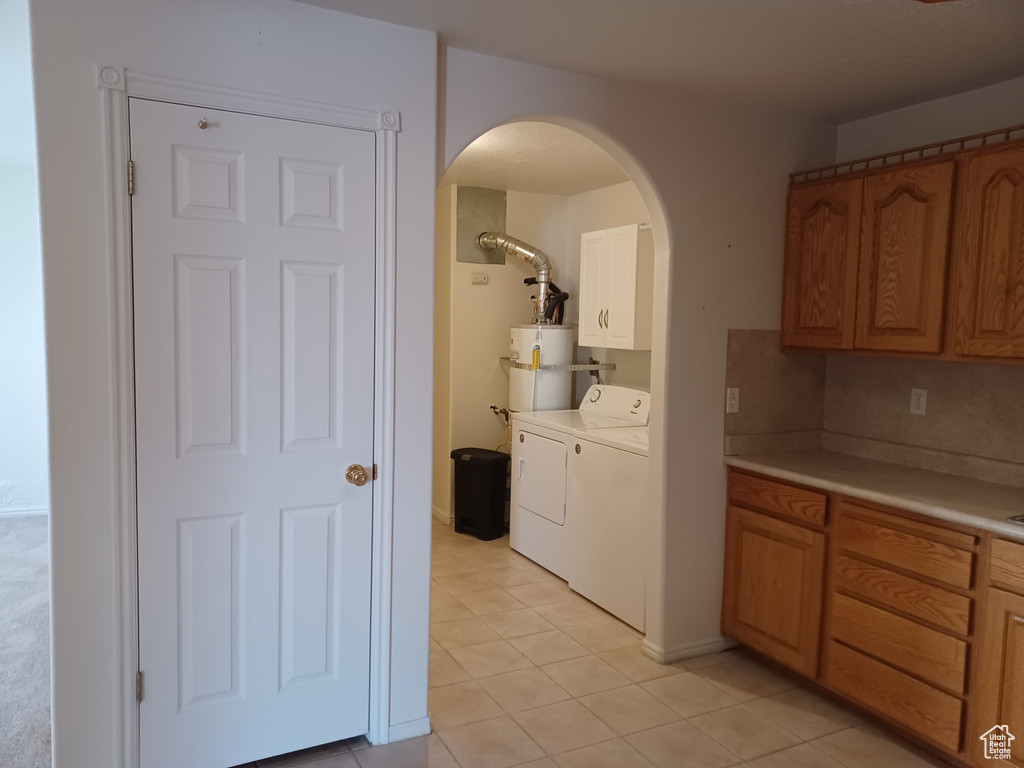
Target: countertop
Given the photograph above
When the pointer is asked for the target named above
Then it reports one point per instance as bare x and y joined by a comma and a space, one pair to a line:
945, 497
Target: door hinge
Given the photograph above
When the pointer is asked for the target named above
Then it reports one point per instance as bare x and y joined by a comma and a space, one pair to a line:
131, 177
140, 685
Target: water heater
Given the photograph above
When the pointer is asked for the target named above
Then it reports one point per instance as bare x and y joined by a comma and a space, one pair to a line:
538, 346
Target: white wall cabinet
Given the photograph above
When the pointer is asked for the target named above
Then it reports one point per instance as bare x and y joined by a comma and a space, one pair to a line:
616, 288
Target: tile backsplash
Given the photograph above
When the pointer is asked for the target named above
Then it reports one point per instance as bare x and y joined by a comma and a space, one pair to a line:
973, 425
781, 395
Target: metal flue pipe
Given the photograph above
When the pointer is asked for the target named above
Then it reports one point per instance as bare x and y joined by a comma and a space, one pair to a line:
535, 257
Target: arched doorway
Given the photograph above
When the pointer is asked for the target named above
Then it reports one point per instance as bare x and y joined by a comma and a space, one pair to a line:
555, 180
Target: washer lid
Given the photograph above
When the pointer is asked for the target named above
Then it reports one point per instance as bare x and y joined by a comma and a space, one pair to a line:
632, 439
570, 422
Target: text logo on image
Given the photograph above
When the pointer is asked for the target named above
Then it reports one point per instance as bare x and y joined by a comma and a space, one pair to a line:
997, 742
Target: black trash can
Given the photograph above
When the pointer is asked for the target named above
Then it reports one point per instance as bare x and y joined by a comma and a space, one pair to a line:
480, 484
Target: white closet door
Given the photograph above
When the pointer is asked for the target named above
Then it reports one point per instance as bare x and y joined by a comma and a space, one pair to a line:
253, 250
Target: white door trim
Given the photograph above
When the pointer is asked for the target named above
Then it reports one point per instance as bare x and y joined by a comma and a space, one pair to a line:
117, 86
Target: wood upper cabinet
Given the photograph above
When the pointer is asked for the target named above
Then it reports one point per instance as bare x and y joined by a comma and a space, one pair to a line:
774, 571
866, 260
903, 246
988, 254
820, 280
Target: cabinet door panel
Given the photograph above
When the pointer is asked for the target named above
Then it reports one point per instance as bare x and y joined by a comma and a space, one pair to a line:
1007, 564
593, 255
989, 255
820, 280
903, 247
999, 679
774, 573
620, 303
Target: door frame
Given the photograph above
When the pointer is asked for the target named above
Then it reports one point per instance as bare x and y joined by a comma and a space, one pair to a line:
117, 85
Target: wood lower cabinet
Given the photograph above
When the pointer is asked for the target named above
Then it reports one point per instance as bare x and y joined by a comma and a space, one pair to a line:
899, 619
774, 583
774, 571
998, 690
878, 606
988, 254
898, 697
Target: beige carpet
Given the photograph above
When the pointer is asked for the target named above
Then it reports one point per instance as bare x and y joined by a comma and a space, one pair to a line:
24, 642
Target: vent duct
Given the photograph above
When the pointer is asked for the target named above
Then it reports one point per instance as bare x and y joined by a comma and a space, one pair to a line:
535, 257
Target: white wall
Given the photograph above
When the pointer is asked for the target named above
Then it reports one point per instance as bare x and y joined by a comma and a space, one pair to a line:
269, 46
23, 446
714, 183
985, 109
444, 248
479, 318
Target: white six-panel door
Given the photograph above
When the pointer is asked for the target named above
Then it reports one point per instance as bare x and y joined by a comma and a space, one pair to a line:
253, 258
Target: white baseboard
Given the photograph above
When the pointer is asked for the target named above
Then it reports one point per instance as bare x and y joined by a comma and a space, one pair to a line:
687, 650
443, 516
409, 730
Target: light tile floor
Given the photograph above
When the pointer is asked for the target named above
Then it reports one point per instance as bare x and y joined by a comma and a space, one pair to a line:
523, 672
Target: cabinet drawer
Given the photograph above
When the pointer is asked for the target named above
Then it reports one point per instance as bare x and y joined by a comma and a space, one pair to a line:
902, 593
1007, 564
796, 503
869, 536
927, 711
926, 653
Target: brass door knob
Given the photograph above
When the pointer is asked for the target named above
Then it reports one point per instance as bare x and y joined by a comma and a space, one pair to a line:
357, 475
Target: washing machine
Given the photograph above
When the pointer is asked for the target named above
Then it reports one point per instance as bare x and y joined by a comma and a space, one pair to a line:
542, 522
608, 488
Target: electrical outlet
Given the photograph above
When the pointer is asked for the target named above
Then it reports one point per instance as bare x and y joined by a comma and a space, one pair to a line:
480, 278
732, 400
918, 401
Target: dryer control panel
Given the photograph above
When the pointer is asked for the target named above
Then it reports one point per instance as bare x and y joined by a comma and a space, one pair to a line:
633, 405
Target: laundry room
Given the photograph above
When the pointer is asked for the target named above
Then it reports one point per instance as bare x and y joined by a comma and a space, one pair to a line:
557, 185
544, 195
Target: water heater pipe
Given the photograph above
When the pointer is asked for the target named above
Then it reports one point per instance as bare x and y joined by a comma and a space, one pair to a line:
535, 257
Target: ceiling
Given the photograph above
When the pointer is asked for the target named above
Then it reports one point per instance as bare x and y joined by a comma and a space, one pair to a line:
535, 157
835, 60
